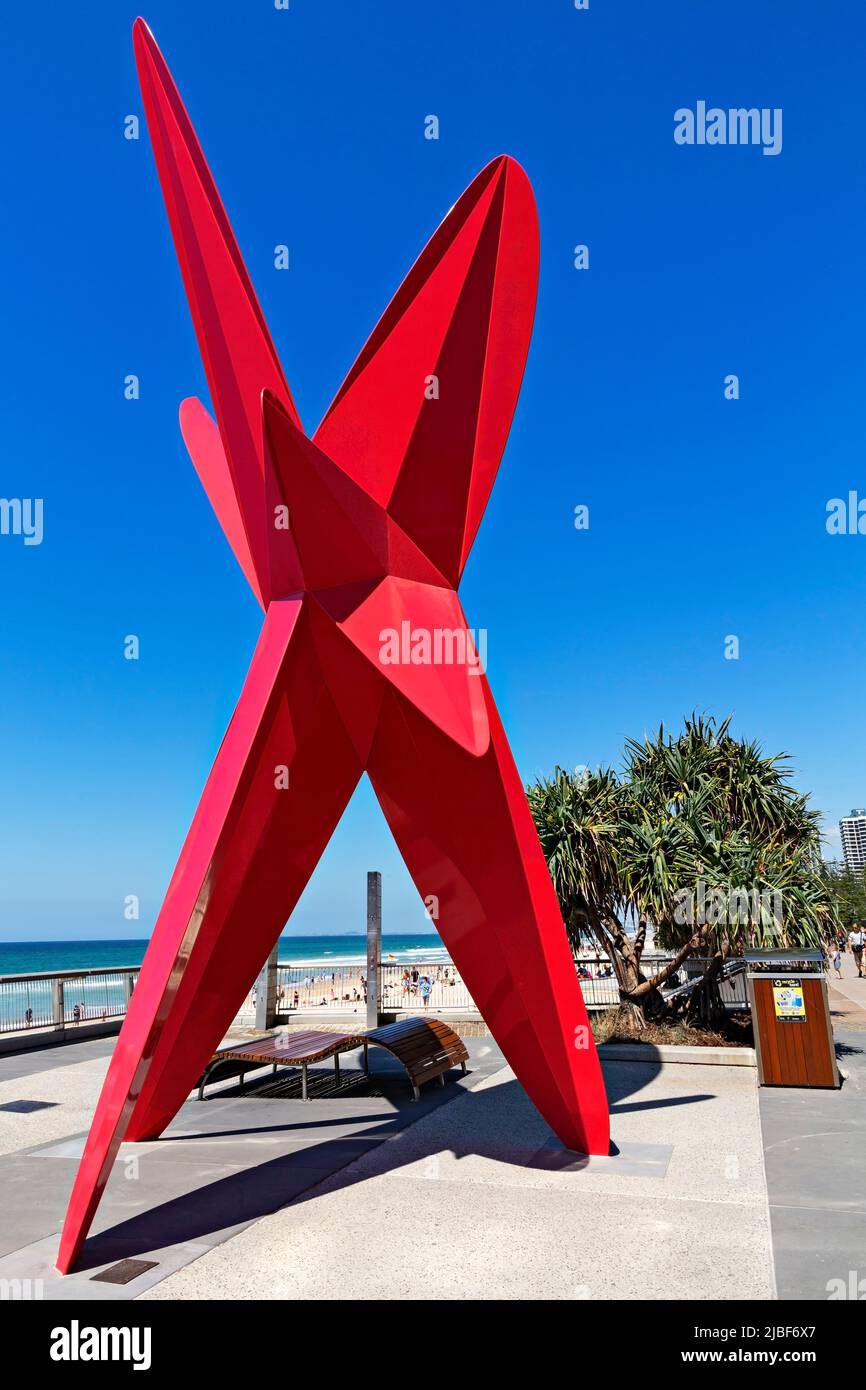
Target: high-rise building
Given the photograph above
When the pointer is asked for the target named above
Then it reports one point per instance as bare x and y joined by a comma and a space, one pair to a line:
853, 830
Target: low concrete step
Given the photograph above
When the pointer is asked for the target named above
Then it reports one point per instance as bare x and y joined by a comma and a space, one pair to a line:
700, 1056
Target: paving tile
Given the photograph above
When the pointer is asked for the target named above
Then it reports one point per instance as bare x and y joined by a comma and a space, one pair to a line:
221, 1165
814, 1148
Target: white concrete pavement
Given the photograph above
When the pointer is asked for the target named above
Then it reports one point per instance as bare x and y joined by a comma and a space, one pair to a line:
477, 1200
474, 1199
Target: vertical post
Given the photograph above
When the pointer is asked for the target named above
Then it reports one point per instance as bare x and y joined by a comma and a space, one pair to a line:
266, 992
127, 990
374, 945
57, 1003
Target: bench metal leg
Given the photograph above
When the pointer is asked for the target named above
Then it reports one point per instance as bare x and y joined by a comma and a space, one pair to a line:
463, 1068
416, 1094
366, 1060
336, 1069
441, 1079
304, 1081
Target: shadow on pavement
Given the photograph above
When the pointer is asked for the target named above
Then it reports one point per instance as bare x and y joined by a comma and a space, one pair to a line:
218, 1209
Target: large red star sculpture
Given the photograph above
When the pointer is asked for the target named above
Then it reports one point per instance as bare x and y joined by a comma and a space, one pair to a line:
353, 542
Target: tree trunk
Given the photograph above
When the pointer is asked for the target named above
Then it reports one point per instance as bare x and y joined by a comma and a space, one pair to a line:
641, 999
705, 1008
611, 940
639, 1002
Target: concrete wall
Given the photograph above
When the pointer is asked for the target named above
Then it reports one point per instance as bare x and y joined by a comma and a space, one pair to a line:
32, 1038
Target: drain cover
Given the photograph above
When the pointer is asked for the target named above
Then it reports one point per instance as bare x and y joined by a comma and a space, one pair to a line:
23, 1107
124, 1272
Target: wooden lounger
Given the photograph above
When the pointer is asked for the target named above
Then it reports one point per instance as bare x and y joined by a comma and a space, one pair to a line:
282, 1050
426, 1047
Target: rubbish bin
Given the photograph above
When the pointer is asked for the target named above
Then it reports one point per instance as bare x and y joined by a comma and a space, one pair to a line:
791, 1018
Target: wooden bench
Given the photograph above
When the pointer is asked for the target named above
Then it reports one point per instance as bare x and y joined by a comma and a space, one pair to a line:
281, 1050
426, 1047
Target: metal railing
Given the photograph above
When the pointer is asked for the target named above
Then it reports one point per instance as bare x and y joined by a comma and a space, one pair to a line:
600, 989
335, 989
69, 998
433, 986
343, 988
64, 999
438, 987
598, 982
732, 984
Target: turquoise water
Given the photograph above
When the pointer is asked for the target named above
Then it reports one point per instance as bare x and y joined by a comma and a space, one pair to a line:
43, 957
31, 1003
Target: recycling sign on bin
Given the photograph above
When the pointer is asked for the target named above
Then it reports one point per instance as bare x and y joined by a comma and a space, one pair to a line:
788, 1001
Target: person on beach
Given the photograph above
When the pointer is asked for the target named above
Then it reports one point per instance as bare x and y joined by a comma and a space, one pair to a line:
425, 986
28, 1018
857, 940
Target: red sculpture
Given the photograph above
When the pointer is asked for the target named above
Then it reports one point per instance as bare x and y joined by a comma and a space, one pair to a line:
364, 660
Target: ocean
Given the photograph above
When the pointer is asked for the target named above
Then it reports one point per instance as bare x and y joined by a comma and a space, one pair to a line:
27, 1004
45, 957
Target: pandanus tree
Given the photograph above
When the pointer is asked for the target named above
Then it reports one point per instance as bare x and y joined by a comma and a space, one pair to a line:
701, 837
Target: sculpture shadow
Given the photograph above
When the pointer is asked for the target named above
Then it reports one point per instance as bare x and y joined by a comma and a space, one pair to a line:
212, 1212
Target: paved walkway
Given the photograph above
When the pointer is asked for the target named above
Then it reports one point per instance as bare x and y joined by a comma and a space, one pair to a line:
815, 1154
221, 1164
477, 1200
462, 1193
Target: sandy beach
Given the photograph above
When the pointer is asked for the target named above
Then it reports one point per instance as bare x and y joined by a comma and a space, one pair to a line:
328, 986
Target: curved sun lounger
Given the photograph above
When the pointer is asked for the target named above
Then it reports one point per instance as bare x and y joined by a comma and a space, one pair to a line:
426, 1047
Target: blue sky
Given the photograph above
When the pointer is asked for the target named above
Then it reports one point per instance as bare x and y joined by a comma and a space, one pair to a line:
707, 516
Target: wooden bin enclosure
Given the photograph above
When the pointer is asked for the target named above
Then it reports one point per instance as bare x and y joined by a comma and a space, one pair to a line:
791, 1018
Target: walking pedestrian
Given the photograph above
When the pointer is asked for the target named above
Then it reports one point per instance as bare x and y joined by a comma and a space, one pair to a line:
857, 940
837, 961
